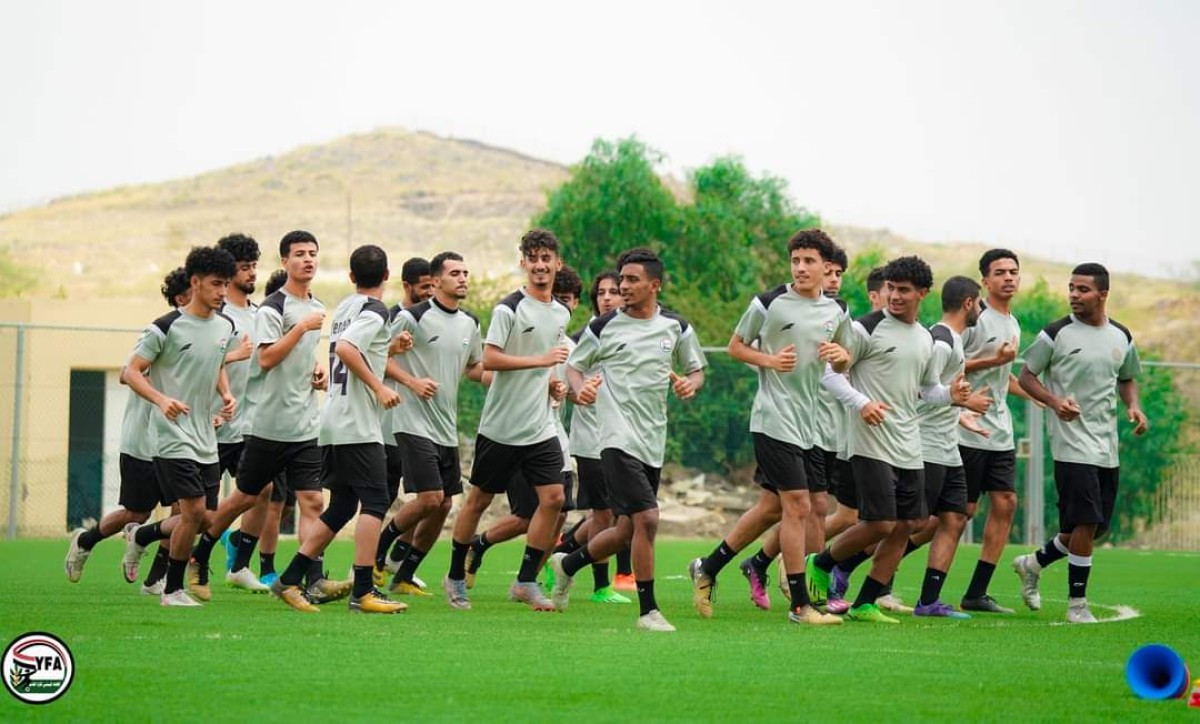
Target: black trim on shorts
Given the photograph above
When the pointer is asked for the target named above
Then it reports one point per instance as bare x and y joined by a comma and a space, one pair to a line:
395, 466
496, 464
988, 471
360, 468
229, 456
264, 459
593, 490
785, 466
886, 492
846, 491
430, 466
182, 479
140, 491
945, 489
632, 484
1087, 495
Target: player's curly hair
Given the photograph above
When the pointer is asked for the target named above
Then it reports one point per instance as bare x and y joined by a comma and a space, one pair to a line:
813, 239
912, 269
991, 255
538, 239
209, 261
176, 282
276, 282
243, 248
567, 281
839, 258
595, 292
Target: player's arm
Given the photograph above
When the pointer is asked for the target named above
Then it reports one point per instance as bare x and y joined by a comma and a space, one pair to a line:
782, 361
873, 412
228, 402
1014, 388
495, 359
1128, 389
134, 375
354, 361
422, 387
272, 353
1005, 354
476, 373
1066, 408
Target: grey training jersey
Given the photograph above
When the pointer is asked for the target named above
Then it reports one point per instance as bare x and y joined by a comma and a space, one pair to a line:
585, 422
185, 355
137, 425
831, 414
445, 343
786, 406
237, 372
635, 358
983, 340
890, 364
352, 415
1085, 362
939, 441
515, 410
284, 404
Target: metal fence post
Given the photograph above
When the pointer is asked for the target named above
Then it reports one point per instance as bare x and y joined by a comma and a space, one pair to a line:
14, 491
1035, 492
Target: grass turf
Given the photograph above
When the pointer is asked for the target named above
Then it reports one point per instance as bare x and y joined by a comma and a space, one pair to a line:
248, 657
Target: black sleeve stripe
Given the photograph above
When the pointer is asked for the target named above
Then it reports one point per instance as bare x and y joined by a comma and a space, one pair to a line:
842, 303
982, 305
165, 321
512, 300
378, 307
1123, 328
395, 312
578, 335
683, 323
418, 310
472, 316
227, 318
767, 297
1056, 326
940, 333
275, 301
598, 324
871, 321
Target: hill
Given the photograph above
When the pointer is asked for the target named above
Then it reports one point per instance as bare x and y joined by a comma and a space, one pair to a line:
414, 193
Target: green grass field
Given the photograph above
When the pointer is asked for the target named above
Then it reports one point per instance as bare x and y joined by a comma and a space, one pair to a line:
248, 657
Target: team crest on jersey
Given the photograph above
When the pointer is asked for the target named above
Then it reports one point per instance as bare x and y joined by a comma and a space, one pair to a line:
665, 345
1116, 354
466, 341
829, 327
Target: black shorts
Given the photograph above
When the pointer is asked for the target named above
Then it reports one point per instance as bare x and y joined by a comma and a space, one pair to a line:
263, 460
496, 464
1086, 495
785, 466
846, 491
360, 468
988, 471
395, 467
281, 492
430, 466
886, 492
593, 491
523, 499
182, 479
140, 491
945, 489
632, 484
830, 461
229, 454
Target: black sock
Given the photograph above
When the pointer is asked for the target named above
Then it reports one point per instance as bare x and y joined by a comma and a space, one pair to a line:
909, 547
1078, 569
147, 534
853, 562
266, 563
293, 575
481, 543
1053, 551
761, 560
871, 590
798, 590
408, 568
364, 581
718, 559
825, 561
90, 537
158, 567
624, 562
387, 536
575, 562
235, 538
646, 596
568, 546
399, 550
600, 576
931, 587
175, 570
203, 550
980, 580
458, 560
245, 549
316, 569
530, 563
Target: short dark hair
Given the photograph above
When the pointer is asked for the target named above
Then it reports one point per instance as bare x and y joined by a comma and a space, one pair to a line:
207, 261
176, 282
648, 259
369, 265
298, 236
813, 239
413, 270
956, 290
538, 239
567, 281
614, 276
840, 258
875, 279
912, 269
991, 255
276, 282
243, 248
438, 262
1097, 272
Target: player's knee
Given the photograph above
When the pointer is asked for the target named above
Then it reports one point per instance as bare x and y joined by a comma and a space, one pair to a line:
139, 517
1004, 504
551, 497
428, 502
342, 507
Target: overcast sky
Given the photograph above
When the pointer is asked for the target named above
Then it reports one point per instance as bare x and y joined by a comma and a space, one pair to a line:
1070, 128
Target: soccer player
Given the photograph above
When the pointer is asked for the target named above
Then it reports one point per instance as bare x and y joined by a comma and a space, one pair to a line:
140, 493
890, 371
184, 353
633, 352
517, 432
446, 346
1077, 367
798, 330
353, 462
991, 462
